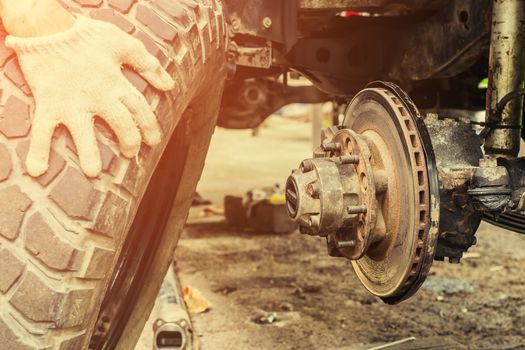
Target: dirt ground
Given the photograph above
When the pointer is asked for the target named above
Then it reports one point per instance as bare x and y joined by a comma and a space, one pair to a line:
318, 301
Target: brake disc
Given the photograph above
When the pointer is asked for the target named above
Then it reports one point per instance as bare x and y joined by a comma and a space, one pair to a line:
372, 191
406, 255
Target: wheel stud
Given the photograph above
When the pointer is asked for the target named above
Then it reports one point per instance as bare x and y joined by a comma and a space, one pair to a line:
346, 244
356, 209
331, 147
349, 159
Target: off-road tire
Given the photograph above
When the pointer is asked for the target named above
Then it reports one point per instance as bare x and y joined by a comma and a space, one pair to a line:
61, 234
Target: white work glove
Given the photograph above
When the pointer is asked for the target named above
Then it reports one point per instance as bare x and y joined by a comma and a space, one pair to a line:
76, 75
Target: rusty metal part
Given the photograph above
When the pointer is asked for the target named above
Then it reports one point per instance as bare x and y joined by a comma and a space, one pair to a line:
341, 55
277, 20
513, 218
376, 6
428, 187
274, 20
513, 221
246, 104
457, 152
459, 32
427, 257
489, 188
506, 74
516, 171
255, 57
368, 191
335, 194
394, 266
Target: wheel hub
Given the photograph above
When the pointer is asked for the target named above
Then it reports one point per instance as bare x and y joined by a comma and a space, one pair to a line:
334, 195
367, 190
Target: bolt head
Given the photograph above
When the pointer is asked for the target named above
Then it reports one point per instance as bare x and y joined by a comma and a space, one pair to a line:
267, 22
454, 260
235, 24
314, 190
307, 165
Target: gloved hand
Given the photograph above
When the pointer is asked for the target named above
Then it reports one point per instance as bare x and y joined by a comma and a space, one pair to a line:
76, 75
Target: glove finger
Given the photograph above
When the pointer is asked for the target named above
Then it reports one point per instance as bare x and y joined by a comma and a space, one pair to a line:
121, 122
83, 133
37, 160
143, 115
137, 56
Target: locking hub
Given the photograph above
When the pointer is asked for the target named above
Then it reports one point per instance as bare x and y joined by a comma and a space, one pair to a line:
337, 194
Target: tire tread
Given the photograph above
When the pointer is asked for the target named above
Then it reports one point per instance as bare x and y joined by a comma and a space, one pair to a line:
60, 234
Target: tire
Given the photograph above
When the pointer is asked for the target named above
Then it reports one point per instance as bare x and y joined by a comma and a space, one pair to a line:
65, 240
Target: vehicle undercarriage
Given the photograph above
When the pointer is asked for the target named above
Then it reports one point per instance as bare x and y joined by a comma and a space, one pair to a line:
410, 172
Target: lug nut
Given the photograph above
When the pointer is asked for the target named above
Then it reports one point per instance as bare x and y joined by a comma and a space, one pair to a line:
314, 189
346, 244
356, 209
307, 165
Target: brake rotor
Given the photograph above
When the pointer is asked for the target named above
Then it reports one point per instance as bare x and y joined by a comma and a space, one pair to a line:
395, 268
372, 191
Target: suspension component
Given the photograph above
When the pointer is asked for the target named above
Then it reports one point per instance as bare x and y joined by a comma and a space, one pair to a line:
506, 75
392, 191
